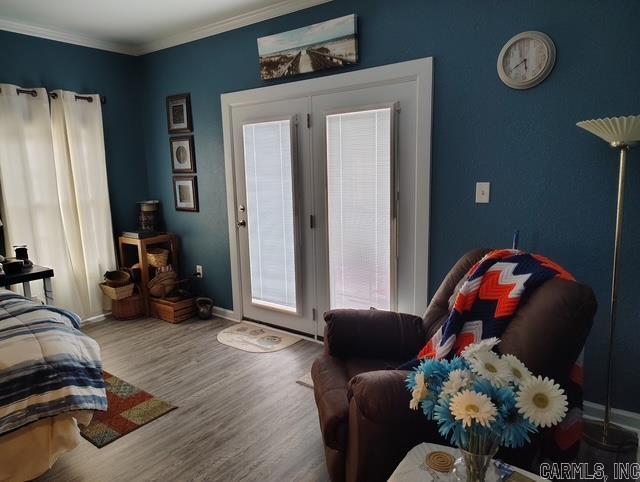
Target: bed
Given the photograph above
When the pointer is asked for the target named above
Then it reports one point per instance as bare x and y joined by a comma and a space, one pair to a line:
50, 380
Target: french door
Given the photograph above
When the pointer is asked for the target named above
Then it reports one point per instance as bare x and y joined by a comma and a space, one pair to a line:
273, 178
325, 206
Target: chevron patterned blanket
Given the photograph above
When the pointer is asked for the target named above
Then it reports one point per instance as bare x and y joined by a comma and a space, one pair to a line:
487, 301
47, 365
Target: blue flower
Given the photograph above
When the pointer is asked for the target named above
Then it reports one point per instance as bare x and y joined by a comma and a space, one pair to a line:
457, 363
514, 429
448, 426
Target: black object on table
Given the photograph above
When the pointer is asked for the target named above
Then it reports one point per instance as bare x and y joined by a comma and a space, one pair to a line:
31, 274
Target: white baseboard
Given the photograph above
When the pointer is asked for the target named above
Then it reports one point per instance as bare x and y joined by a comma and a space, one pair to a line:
624, 418
224, 313
95, 319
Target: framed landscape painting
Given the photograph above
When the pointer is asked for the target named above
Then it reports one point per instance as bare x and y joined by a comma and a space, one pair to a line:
319, 46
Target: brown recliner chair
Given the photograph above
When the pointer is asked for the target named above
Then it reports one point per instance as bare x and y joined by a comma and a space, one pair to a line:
363, 406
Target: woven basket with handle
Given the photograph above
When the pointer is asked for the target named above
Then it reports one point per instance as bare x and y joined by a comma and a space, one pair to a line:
157, 257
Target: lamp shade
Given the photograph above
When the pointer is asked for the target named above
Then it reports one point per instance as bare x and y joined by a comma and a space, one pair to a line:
614, 130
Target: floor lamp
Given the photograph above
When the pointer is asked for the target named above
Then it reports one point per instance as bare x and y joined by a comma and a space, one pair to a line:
621, 133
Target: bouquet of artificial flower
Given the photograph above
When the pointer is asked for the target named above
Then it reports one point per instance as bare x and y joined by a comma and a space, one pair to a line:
482, 400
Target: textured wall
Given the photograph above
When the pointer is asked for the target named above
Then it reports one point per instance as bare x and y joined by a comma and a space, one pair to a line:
34, 62
554, 182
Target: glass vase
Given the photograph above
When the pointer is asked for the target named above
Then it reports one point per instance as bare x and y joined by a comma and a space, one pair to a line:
473, 467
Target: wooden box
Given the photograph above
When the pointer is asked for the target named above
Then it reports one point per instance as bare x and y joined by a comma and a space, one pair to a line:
173, 311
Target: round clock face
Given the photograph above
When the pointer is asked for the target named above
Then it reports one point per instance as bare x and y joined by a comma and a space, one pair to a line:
526, 60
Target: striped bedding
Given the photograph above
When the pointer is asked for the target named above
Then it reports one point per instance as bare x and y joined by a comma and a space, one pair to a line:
47, 365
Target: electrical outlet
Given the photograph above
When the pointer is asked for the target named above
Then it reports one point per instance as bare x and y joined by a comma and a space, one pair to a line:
483, 190
199, 271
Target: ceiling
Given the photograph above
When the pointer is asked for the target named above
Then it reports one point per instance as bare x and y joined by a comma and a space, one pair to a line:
137, 27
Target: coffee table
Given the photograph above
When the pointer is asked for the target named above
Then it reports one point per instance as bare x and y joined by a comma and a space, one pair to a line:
412, 467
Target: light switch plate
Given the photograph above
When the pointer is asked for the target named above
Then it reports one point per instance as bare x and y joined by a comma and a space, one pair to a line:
483, 189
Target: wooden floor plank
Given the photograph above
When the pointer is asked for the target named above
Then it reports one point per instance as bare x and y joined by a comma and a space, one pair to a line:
240, 415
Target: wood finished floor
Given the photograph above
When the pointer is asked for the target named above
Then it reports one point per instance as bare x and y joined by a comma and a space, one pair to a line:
240, 415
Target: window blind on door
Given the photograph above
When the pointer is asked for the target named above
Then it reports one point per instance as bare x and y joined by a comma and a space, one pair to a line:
270, 213
359, 187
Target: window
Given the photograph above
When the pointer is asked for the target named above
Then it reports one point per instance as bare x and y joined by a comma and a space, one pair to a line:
359, 187
270, 213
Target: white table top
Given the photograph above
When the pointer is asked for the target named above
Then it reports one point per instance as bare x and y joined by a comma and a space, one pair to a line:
411, 469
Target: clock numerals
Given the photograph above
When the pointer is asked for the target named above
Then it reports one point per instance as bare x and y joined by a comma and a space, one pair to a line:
526, 60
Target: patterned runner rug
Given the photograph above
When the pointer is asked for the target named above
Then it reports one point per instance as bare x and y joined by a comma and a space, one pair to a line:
129, 409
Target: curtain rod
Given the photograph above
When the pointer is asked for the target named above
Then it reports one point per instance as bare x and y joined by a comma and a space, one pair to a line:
53, 95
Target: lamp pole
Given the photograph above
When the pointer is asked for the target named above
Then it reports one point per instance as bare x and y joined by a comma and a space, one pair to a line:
624, 148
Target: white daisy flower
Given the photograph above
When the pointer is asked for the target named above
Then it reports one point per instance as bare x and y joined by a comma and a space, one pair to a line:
469, 406
458, 380
419, 393
519, 372
482, 346
487, 364
542, 401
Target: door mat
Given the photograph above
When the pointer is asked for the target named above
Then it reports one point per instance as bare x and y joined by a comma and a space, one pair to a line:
254, 339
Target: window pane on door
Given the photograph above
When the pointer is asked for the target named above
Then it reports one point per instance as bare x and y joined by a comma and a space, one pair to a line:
359, 208
270, 213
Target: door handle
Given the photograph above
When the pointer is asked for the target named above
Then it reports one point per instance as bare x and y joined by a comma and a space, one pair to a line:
241, 224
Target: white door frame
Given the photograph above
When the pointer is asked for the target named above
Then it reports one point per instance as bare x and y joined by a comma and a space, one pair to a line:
420, 71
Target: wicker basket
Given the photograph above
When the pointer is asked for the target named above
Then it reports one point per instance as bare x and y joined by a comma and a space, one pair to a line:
118, 292
117, 278
162, 284
157, 257
128, 308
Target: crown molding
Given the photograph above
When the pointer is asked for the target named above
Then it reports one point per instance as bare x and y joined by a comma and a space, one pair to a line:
283, 7
68, 38
278, 9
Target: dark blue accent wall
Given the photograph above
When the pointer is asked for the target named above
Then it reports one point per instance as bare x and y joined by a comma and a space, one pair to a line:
35, 62
551, 180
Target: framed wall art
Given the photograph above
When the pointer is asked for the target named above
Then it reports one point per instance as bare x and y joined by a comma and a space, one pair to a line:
179, 114
185, 193
320, 46
183, 154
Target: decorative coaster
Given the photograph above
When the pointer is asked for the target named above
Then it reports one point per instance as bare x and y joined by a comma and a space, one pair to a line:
440, 461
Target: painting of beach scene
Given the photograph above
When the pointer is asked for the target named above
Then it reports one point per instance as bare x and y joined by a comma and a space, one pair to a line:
320, 46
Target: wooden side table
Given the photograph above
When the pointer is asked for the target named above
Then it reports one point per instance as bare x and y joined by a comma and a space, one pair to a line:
170, 240
31, 274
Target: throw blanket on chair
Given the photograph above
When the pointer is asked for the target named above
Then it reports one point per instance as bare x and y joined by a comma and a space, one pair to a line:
486, 303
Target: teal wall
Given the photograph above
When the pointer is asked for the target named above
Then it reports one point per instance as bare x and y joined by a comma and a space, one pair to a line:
551, 180
34, 62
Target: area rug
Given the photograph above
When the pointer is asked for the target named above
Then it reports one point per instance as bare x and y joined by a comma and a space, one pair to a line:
129, 409
255, 339
305, 380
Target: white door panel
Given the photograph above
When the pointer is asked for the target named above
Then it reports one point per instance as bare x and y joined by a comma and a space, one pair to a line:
403, 95
271, 144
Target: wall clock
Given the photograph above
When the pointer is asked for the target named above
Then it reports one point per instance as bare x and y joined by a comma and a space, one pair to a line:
526, 60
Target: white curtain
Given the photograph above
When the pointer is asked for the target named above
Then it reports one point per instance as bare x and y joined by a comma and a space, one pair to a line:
54, 191
81, 168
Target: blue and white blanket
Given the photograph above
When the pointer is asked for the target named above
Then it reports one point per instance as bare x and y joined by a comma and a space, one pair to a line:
47, 365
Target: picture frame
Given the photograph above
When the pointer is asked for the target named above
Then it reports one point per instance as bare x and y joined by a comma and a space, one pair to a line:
183, 154
179, 118
185, 193
325, 45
